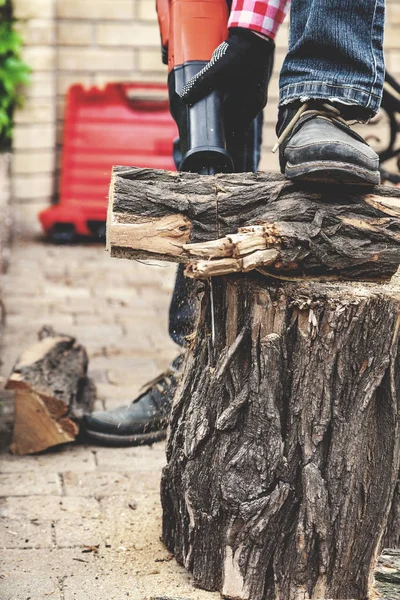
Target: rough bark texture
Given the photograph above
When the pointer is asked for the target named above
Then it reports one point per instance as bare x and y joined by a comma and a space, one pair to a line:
52, 392
284, 446
316, 231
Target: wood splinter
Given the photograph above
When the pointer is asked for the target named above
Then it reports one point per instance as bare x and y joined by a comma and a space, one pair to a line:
235, 253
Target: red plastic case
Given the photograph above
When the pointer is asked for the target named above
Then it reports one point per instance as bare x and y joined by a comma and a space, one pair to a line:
122, 124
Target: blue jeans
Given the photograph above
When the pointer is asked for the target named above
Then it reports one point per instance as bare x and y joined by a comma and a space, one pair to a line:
336, 53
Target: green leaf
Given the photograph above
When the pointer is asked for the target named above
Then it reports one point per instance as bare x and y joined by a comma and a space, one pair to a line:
4, 118
10, 41
13, 72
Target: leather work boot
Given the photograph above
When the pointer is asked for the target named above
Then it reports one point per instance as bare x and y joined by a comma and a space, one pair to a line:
144, 421
316, 144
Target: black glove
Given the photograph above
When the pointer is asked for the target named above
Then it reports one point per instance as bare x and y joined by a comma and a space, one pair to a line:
241, 68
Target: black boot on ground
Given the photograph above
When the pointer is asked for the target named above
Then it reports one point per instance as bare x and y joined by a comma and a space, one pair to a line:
144, 421
316, 144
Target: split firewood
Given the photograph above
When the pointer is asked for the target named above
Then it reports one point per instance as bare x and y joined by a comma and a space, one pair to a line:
52, 392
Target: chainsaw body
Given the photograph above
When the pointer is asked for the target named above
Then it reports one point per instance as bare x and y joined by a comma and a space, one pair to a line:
190, 32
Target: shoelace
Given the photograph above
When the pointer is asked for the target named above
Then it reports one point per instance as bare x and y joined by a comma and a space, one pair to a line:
330, 112
168, 382
159, 380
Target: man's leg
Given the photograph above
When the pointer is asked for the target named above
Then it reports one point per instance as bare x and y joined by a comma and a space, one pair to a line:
145, 420
335, 58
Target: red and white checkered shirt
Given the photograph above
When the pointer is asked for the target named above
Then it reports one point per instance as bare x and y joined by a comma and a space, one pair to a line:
264, 16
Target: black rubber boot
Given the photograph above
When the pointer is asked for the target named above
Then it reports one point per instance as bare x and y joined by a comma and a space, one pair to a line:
144, 421
316, 144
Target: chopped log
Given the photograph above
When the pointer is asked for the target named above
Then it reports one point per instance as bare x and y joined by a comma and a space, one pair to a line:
284, 444
306, 231
52, 392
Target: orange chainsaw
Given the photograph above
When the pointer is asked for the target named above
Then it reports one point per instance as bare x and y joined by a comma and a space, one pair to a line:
190, 32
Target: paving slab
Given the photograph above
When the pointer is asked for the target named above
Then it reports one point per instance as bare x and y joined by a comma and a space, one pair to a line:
30, 484
63, 458
139, 459
99, 588
58, 322
54, 562
124, 376
121, 395
107, 483
49, 508
25, 534
81, 533
30, 588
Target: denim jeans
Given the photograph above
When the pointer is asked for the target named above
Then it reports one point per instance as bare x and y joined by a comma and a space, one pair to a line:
182, 312
335, 53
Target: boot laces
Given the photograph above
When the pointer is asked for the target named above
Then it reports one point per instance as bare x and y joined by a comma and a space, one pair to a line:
325, 111
160, 381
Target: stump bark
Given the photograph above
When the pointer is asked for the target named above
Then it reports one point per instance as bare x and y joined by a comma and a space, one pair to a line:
52, 393
283, 452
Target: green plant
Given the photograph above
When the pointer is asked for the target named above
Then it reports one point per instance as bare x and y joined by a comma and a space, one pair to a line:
13, 72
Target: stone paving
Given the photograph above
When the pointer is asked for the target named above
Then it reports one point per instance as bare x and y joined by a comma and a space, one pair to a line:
83, 522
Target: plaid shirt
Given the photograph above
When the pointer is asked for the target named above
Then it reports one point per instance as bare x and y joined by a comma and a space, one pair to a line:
264, 16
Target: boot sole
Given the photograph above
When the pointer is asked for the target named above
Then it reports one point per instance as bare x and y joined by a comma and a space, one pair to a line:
138, 439
332, 172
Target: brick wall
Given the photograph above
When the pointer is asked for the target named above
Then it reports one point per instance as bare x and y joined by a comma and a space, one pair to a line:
34, 137
70, 41
66, 42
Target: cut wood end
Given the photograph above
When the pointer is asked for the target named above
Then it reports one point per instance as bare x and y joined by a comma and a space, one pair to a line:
35, 428
164, 235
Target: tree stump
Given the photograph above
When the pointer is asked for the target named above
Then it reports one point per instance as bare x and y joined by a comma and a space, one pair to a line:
284, 446
284, 449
